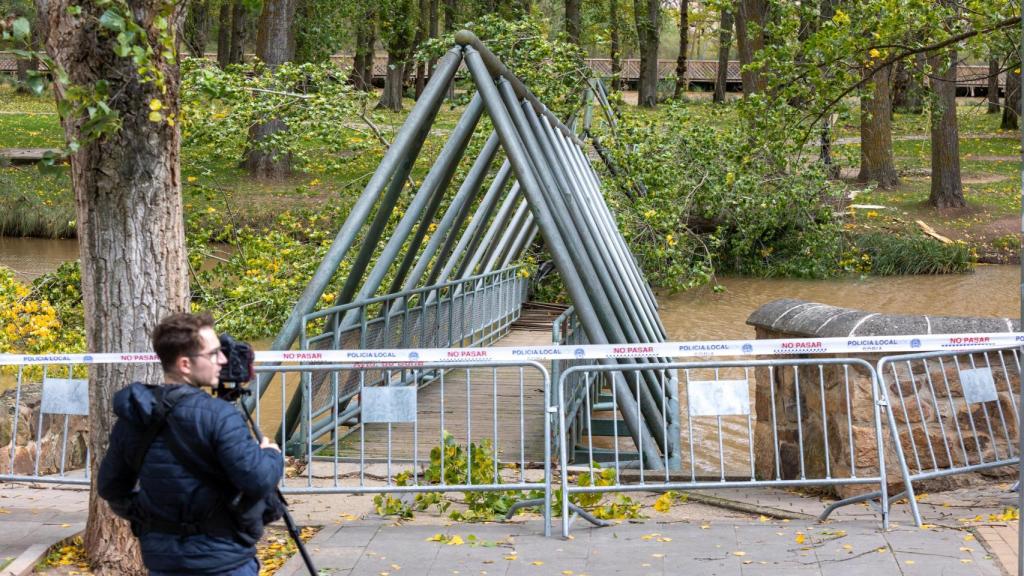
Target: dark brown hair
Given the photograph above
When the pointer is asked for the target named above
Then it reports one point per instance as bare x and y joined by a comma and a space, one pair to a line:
178, 335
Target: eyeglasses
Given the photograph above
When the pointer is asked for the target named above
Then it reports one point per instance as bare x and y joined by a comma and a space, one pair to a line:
212, 355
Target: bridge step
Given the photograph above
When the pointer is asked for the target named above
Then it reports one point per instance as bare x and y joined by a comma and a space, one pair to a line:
603, 455
607, 428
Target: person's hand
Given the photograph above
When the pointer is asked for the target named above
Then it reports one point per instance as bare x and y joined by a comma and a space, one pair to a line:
268, 443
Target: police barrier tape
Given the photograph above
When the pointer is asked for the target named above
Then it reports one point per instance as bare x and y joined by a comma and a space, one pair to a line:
711, 348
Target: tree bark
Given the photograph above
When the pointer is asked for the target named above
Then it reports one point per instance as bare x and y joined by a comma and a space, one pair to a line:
684, 37
239, 27
908, 89
422, 32
275, 45
1011, 102
751, 16
946, 189
615, 47
724, 44
224, 34
648, 20
573, 26
130, 229
362, 65
399, 42
993, 86
197, 27
876, 159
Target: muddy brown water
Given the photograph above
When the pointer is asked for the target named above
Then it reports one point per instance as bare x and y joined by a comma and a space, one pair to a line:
701, 314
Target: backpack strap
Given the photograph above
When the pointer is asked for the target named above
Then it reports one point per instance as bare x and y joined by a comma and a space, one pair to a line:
165, 402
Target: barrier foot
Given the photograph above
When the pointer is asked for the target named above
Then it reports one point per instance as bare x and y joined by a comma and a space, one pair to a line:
540, 502
854, 500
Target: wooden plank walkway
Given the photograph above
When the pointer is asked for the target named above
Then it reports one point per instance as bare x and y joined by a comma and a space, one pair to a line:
502, 405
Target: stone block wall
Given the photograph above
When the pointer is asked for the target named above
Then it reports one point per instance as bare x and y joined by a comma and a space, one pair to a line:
938, 428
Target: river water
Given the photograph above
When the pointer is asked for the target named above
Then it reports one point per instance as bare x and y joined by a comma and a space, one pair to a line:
704, 314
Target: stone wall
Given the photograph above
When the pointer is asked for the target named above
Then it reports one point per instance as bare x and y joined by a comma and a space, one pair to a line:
934, 405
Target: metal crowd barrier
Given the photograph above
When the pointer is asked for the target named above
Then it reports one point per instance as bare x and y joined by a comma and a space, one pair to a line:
951, 412
719, 448
46, 437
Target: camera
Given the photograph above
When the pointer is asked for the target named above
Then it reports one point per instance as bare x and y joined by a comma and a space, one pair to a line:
238, 370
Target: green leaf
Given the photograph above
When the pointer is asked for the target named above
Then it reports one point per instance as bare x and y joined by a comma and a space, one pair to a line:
21, 29
111, 20
74, 10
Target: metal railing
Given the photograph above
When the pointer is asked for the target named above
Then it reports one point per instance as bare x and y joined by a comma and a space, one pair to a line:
48, 426
566, 330
719, 448
951, 412
472, 311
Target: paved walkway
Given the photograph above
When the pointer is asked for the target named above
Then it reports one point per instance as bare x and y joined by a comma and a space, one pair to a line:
756, 532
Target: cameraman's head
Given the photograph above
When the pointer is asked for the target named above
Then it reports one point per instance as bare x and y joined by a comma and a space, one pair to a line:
189, 349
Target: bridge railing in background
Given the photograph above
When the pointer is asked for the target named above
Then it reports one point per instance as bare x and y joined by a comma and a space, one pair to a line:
784, 439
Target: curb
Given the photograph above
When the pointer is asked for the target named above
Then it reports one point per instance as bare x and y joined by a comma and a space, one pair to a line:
26, 562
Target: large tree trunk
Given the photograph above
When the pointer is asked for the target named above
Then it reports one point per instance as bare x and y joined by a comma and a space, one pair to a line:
362, 64
876, 160
615, 46
648, 20
197, 27
422, 32
724, 44
908, 89
275, 45
224, 34
947, 190
573, 25
130, 229
751, 16
239, 27
1011, 102
993, 86
399, 40
684, 37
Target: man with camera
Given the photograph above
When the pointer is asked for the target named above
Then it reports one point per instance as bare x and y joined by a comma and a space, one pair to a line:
183, 466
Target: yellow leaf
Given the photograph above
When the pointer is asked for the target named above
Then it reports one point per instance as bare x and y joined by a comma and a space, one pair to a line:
763, 518
881, 550
568, 572
965, 560
155, 116
455, 541
510, 557
739, 553
969, 538
155, 104
537, 563
847, 547
909, 562
800, 538
436, 538
657, 555
664, 502
664, 539
705, 526
65, 525
396, 567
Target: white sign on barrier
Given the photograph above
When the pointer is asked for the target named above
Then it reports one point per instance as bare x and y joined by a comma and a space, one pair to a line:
979, 386
389, 404
719, 397
65, 396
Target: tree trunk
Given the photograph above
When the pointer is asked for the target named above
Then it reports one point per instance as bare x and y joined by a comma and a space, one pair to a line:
130, 231
422, 32
615, 48
947, 189
724, 44
908, 89
647, 14
224, 34
876, 160
197, 27
1011, 102
362, 64
400, 36
239, 26
751, 17
573, 25
684, 33
993, 86
275, 45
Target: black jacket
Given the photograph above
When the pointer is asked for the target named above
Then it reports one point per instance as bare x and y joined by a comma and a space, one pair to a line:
214, 437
